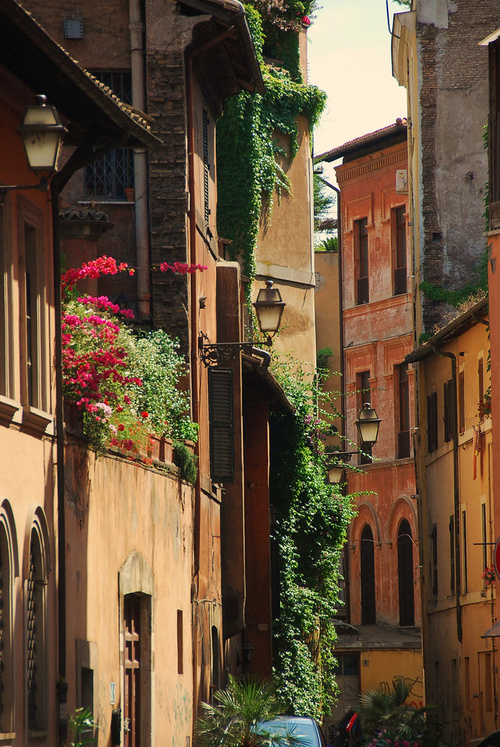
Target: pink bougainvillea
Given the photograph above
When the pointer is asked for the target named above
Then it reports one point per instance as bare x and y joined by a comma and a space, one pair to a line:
96, 349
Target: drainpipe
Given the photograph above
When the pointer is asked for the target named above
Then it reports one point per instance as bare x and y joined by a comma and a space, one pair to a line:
456, 493
137, 53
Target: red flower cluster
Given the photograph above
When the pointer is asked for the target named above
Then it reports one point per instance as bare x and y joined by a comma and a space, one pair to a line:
94, 269
489, 575
181, 268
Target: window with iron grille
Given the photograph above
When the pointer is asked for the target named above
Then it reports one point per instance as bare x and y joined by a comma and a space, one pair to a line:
35, 639
404, 413
449, 410
206, 167
399, 237
361, 261
110, 175
432, 422
6, 682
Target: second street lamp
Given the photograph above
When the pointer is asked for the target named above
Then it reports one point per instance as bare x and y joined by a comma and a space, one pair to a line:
368, 424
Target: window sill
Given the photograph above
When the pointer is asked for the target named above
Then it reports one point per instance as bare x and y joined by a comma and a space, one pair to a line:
36, 419
7, 736
38, 734
8, 408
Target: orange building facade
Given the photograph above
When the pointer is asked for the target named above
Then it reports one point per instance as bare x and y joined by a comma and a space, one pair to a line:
381, 558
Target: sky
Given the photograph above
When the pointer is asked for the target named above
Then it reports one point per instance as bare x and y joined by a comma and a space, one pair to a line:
349, 57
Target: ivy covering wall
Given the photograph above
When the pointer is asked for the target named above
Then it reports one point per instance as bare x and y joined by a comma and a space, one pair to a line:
250, 135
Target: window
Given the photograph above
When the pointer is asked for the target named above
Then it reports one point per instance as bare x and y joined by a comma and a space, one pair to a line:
368, 611
464, 550
484, 537
206, 167
110, 175
180, 643
220, 401
461, 402
434, 557
363, 394
432, 423
361, 261
404, 414
449, 411
6, 670
35, 638
480, 387
405, 575
451, 527
399, 239
4, 312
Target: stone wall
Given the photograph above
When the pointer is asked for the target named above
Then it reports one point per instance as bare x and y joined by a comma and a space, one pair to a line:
453, 101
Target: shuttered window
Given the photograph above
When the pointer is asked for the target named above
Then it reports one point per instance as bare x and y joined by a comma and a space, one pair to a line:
449, 410
220, 392
461, 402
432, 422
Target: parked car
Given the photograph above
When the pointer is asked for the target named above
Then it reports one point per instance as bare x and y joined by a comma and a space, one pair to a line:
492, 740
306, 730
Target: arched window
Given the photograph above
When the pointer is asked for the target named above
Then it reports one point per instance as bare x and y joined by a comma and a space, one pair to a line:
368, 610
6, 668
36, 665
405, 575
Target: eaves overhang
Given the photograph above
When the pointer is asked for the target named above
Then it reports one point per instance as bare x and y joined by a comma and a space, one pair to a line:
258, 378
85, 104
235, 52
463, 322
369, 143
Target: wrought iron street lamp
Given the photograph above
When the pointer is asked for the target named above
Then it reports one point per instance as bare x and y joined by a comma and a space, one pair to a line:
368, 424
269, 310
42, 134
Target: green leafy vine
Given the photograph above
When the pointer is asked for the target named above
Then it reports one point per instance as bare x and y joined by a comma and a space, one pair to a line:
311, 527
255, 136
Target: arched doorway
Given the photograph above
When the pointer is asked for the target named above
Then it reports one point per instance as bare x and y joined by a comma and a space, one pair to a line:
368, 610
405, 575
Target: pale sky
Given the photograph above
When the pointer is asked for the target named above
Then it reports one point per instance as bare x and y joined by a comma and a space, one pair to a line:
349, 56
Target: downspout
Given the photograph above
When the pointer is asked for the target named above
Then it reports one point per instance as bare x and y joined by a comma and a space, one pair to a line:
137, 54
456, 492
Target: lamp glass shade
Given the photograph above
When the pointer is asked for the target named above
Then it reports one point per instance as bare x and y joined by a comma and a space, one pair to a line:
335, 473
269, 308
42, 134
368, 424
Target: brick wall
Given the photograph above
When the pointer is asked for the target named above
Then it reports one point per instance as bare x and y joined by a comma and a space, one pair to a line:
168, 190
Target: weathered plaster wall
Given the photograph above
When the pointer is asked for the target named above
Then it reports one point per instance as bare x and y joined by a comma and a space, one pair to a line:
451, 656
117, 509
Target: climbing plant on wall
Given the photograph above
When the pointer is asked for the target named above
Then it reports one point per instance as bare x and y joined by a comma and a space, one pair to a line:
311, 528
256, 135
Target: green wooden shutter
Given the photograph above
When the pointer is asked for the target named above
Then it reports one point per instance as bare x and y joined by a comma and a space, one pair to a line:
220, 394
